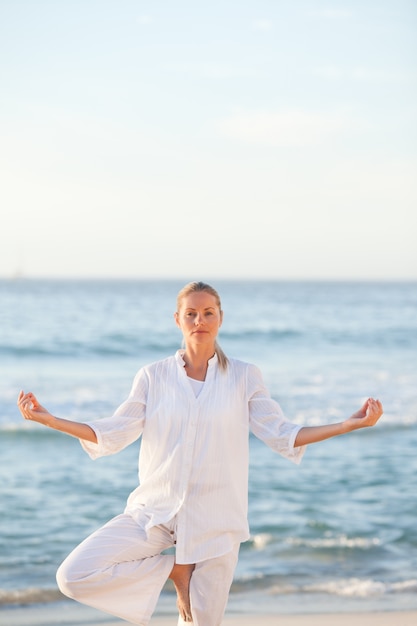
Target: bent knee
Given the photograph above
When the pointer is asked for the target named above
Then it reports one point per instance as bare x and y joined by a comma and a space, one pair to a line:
68, 581
63, 581
75, 580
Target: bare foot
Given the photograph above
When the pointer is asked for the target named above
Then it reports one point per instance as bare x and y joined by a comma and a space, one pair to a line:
181, 576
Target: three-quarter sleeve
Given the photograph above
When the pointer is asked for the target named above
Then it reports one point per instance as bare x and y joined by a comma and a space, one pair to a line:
267, 420
124, 427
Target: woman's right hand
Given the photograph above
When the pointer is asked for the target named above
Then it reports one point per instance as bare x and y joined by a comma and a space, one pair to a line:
31, 409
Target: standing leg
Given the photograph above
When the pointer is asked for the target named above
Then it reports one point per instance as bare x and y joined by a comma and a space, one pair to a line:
119, 569
209, 589
181, 576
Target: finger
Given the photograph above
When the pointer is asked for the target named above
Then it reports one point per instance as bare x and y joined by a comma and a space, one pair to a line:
27, 399
22, 407
365, 405
22, 396
27, 409
23, 401
26, 406
371, 406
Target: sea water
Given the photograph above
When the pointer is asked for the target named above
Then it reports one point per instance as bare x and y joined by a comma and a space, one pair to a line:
338, 532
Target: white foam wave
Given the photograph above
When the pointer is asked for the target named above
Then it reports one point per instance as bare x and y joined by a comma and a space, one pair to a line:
340, 541
361, 588
31, 595
261, 540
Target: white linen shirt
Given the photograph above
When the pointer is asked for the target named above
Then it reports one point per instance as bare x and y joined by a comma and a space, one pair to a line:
194, 454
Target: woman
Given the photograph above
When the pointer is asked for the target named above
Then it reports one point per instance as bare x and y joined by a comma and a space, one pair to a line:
194, 411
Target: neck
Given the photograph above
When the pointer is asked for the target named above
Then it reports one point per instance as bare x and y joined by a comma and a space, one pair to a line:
196, 361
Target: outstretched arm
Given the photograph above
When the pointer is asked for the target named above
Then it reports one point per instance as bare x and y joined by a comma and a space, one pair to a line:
32, 410
368, 415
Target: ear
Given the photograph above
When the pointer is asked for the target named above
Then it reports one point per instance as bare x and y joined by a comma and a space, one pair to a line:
221, 318
176, 318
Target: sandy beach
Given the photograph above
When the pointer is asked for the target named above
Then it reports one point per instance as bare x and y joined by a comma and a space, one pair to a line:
331, 619
58, 615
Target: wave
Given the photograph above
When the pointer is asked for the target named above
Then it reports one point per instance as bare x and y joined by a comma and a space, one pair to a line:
274, 334
31, 595
361, 588
350, 587
121, 345
261, 540
341, 541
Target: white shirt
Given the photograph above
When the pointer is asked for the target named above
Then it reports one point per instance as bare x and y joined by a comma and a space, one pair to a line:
194, 455
197, 386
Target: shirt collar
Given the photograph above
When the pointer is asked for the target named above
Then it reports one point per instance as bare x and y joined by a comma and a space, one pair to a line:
180, 353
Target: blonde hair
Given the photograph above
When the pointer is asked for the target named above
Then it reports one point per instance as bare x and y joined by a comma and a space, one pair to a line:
194, 287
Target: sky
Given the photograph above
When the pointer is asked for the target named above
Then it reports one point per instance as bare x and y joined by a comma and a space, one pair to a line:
222, 139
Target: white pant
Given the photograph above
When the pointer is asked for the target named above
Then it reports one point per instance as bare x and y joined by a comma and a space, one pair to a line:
119, 569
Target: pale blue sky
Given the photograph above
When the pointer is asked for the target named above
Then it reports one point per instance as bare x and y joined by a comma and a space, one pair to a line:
219, 139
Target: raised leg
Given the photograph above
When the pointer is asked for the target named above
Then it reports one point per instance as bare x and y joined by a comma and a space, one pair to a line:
119, 569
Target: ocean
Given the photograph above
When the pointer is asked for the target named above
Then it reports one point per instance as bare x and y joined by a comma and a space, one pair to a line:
337, 533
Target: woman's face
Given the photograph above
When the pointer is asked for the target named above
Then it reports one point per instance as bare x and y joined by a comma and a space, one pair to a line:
199, 318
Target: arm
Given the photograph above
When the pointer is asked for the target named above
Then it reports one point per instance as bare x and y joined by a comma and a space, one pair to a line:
368, 415
32, 410
267, 420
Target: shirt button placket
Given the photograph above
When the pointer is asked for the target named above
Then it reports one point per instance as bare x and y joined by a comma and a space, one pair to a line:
186, 473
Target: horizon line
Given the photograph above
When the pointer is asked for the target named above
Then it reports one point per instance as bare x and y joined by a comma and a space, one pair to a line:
126, 278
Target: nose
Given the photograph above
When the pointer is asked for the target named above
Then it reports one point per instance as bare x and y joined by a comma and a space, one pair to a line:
199, 319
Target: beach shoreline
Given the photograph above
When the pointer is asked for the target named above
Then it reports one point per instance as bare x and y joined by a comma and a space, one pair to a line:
75, 615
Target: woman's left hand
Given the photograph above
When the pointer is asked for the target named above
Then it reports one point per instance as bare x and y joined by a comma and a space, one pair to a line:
368, 415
